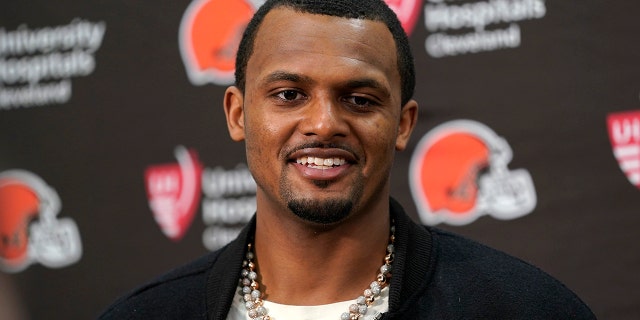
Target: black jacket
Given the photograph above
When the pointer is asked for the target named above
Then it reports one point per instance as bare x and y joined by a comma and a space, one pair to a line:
436, 275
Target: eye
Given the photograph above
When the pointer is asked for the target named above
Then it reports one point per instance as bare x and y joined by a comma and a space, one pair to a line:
289, 95
360, 102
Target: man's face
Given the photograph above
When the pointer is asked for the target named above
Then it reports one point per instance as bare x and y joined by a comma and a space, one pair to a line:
321, 114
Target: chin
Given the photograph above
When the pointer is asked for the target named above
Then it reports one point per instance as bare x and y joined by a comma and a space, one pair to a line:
324, 212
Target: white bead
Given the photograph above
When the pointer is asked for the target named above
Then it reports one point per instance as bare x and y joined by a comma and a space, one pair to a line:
255, 294
253, 275
261, 310
362, 309
344, 316
368, 293
361, 300
353, 308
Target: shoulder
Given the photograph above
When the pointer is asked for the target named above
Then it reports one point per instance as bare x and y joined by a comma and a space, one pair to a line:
456, 250
487, 280
175, 294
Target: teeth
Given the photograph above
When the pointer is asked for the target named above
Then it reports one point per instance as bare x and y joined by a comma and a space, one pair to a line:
315, 161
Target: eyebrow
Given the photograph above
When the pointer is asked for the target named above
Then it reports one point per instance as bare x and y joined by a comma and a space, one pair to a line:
286, 76
365, 82
362, 83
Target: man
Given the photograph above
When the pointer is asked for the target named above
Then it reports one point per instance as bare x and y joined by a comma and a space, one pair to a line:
322, 102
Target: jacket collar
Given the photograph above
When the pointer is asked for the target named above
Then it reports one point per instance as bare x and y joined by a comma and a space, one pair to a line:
413, 261
411, 268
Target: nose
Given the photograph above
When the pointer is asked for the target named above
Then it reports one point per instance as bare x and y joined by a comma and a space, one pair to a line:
324, 118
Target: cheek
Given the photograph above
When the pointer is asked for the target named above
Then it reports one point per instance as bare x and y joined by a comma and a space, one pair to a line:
265, 137
265, 134
379, 143
259, 159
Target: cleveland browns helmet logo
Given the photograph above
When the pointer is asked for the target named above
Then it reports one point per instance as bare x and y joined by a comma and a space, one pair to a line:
459, 172
211, 30
210, 33
29, 228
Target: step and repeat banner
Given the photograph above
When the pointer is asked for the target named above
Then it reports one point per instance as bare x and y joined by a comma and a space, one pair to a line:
116, 164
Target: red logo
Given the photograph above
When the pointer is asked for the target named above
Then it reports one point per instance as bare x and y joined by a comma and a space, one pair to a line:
407, 12
459, 172
29, 228
174, 192
211, 30
624, 133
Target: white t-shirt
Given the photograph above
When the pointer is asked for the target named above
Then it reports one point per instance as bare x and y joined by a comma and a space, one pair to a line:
330, 311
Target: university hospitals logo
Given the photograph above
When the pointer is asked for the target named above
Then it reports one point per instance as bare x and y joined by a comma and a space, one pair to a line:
624, 133
30, 230
173, 191
469, 27
459, 172
407, 12
228, 198
211, 30
38, 64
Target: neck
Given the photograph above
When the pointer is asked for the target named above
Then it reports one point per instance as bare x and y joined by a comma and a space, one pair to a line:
303, 264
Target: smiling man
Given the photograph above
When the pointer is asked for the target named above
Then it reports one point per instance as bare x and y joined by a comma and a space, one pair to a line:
322, 101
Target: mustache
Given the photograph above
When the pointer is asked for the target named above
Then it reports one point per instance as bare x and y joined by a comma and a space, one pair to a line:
321, 145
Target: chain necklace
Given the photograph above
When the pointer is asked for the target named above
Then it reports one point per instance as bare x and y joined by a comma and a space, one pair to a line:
253, 296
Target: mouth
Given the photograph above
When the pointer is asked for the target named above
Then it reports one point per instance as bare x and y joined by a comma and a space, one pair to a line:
321, 163
318, 164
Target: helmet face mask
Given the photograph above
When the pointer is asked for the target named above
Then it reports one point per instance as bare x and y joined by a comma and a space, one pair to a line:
507, 195
459, 172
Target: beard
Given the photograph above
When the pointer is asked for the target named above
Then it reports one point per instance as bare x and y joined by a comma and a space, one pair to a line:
324, 211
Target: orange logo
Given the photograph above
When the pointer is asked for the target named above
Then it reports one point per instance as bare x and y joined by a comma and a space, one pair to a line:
29, 228
211, 30
459, 172
210, 33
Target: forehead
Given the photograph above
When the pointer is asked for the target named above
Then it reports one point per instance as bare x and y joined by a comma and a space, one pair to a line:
291, 40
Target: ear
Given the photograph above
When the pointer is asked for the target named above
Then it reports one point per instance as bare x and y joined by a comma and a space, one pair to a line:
408, 119
234, 111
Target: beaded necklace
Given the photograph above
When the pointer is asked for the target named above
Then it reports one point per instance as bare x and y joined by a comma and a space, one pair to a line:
253, 296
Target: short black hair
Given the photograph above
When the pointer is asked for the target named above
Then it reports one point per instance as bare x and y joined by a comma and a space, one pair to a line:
376, 10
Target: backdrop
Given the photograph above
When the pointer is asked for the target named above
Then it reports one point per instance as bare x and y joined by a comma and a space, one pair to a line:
116, 164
